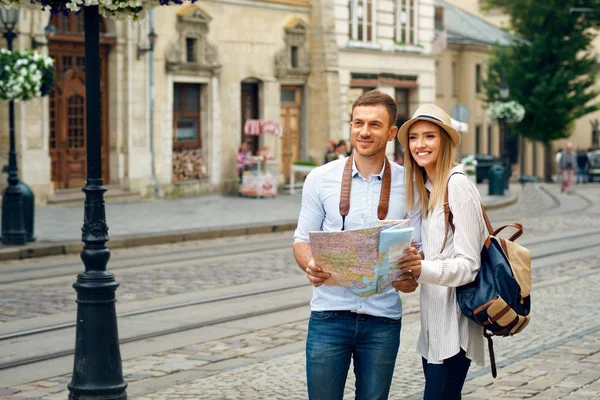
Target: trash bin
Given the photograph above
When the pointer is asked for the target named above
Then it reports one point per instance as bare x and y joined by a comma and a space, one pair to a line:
496, 180
28, 199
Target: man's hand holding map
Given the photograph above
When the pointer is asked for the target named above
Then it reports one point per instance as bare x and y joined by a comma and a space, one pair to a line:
363, 260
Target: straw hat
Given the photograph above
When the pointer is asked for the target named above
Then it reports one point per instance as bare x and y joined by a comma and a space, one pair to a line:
433, 114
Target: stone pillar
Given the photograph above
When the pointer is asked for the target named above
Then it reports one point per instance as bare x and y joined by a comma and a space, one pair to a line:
117, 140
216, 133
231, 126
137, 116
323, 82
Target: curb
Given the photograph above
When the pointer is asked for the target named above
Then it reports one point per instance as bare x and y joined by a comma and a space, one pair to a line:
502, 204
120, 242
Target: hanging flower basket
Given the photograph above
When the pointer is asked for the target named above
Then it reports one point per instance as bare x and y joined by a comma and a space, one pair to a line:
25, 75
116, 9
509, 110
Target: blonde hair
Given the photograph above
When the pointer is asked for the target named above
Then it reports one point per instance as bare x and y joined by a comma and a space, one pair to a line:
415, 177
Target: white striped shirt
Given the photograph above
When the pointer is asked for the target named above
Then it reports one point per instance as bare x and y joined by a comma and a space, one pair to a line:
444, 328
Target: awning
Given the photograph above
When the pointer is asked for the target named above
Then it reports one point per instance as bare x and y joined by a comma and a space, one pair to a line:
461, 127
257, 127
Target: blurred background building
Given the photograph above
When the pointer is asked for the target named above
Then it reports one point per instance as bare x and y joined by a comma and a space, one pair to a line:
192, 77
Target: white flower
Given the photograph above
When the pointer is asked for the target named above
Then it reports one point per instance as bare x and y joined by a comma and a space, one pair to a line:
509, 110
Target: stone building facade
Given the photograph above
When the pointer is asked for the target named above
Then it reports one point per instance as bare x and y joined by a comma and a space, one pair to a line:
214, 65
385, 45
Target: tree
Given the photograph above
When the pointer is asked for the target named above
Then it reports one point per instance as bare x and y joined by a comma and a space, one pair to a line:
550, 66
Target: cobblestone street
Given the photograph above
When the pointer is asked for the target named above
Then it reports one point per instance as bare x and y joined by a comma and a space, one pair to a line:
557, 356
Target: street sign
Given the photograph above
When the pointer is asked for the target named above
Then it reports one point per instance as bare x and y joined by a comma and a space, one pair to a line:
460, 112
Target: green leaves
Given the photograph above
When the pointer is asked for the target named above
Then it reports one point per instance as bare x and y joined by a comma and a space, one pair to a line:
550, 69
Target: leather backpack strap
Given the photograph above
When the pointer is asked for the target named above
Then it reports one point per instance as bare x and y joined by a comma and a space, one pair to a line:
384, 196
386, 188
491, 351
515, 225
345, 192
448, 217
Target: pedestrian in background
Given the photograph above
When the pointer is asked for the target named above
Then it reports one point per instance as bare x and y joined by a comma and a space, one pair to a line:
330, 153
567, 167
448, 341
242, 156
583, 164
557, 159
342, 149
343, 327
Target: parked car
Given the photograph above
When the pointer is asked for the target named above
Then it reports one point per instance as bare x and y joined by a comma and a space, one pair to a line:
594, 170
484, 162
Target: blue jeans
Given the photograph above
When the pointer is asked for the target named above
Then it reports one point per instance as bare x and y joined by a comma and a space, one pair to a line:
336, 337
445, 381
581, 172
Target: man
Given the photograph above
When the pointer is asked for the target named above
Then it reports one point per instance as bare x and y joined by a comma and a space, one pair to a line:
567, 166
583, 164
343, 326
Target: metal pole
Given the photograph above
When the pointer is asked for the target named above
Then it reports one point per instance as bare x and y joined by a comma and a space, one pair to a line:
13, 223
151, 84
507, 166
97, 370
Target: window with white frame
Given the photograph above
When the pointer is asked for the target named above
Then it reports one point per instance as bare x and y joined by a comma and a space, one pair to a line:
406, 18
362, 20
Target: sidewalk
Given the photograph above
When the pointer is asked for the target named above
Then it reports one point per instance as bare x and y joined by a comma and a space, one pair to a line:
58, 227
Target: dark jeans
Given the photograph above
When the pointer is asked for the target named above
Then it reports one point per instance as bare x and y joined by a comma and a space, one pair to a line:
336, 337
445, 381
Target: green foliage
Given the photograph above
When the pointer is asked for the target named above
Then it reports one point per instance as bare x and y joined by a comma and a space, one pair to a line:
550, 67
307, 163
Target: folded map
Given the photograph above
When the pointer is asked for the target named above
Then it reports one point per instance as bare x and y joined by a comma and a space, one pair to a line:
364, 261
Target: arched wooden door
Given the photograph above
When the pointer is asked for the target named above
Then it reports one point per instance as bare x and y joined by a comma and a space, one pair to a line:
290, 118
67, 103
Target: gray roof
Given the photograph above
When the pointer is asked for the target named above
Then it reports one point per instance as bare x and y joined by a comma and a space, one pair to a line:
465, 28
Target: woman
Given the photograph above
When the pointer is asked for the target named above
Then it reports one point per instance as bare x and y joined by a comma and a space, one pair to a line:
449, 341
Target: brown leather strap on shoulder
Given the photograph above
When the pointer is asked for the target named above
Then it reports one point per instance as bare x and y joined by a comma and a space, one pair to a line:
346, 186
386, 188
384, 197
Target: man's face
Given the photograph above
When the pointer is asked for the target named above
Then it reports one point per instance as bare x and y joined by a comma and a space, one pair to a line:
371, 129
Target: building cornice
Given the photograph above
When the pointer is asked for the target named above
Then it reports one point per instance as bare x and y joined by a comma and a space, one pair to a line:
280, 5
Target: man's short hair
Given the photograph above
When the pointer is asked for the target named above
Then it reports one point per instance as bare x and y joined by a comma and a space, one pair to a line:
375, 98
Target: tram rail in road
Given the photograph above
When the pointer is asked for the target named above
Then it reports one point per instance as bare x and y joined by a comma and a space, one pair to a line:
543, 249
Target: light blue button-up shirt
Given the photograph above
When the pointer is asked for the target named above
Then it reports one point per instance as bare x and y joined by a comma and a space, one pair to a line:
320, 212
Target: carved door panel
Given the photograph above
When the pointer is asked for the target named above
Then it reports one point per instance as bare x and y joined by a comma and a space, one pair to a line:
72, 134
67, 115
291, 114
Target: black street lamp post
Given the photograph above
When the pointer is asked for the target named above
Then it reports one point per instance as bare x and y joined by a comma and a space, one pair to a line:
13, 223
97, 369
504, 94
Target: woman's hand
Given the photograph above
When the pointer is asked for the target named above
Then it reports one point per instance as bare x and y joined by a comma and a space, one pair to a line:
411, 262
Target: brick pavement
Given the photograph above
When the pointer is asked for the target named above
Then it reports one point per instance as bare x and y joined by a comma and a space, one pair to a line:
27, 300
557, 356
34, 299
